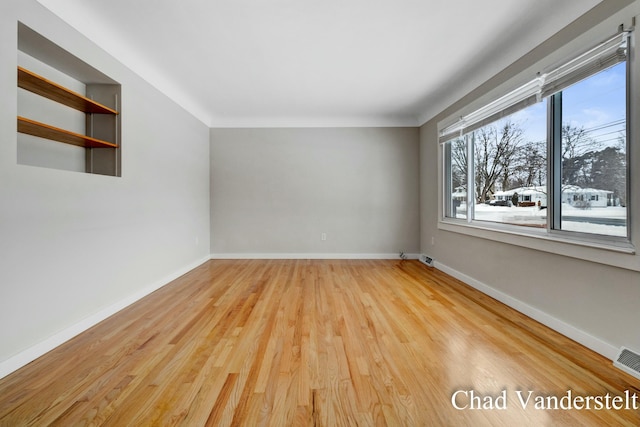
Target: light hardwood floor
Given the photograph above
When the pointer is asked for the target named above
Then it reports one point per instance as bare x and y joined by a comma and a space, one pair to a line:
311, 342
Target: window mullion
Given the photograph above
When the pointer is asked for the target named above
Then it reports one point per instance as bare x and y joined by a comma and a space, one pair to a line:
554, 184
448, 190
471, 177
628, 125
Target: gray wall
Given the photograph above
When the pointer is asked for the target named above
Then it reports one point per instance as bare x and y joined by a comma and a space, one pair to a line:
73, 244
275, 191
595, 303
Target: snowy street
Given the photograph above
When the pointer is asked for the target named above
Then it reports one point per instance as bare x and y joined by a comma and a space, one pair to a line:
609, 220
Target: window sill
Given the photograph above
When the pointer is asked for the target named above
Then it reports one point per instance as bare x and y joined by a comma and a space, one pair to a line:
616, 254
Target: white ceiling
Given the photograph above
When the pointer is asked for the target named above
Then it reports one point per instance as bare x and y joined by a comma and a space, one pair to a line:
264, 63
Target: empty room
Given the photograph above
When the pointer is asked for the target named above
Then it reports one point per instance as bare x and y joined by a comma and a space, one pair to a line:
297, 213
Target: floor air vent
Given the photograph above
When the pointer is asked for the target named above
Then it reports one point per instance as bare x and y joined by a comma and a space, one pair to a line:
426, 260
628, 361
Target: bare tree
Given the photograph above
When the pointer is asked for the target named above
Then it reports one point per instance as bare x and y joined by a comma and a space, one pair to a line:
577, 147
576, 141
532, 169
459, 163
495, 149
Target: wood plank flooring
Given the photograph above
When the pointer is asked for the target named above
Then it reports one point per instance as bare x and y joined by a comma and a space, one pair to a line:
314, 342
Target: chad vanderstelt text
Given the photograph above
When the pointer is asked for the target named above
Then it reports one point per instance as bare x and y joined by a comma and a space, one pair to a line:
473, 400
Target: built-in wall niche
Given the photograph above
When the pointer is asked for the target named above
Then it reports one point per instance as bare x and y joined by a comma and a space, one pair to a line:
68, 112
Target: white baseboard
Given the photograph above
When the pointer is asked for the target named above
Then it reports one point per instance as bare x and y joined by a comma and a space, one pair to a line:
589, 341
311, 256
23, 358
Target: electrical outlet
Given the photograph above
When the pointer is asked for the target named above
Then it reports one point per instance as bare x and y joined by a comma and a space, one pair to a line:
323, 236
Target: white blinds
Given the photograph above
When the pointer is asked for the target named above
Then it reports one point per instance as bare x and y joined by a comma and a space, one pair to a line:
508, 104
605, 55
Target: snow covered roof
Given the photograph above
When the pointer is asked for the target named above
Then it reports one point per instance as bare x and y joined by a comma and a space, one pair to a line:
571, 189
523, 190
579, 190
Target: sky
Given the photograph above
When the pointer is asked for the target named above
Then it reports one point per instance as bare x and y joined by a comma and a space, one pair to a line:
596, 103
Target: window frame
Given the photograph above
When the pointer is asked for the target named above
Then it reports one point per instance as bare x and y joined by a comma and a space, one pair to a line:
611, 250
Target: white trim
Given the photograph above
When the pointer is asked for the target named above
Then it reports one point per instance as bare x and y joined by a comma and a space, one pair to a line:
312, 256
32, 353
604, 348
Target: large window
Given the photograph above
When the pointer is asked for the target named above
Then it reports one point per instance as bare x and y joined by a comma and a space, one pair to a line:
510, 169
594, 146
550, 155
457, 167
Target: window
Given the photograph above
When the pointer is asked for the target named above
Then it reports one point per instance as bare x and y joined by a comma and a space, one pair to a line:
550, 155
510, 169
593, 150
457, 166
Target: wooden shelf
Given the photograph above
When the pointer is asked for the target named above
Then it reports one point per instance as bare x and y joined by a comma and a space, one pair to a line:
37, 84
31, 127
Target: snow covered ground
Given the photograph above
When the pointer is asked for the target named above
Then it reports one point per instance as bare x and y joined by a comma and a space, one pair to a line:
610, 221
595, 220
